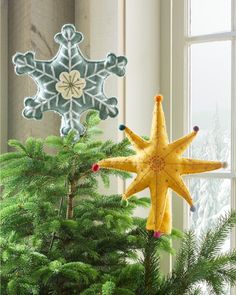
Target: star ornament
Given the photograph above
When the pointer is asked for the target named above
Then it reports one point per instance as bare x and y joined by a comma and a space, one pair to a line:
69, 84
159, 165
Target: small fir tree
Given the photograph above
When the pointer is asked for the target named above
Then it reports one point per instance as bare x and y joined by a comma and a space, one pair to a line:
59, 235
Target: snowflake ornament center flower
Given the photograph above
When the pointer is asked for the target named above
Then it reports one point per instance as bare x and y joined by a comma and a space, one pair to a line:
70, 85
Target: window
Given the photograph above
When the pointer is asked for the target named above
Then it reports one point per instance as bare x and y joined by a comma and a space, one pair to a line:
210, 75
203, 43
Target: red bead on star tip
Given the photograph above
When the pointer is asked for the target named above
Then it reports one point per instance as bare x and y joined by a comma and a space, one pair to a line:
196, 128
95, 168
157, 234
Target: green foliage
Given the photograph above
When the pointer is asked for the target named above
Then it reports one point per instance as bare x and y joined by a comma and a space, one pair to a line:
198, 260
99, 248
108, 288
42, 251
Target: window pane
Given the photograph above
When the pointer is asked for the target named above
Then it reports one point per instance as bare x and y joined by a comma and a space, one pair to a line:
209, 16
210, 99
212, 200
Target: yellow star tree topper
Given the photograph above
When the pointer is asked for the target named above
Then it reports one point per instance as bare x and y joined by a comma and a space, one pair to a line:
159, 165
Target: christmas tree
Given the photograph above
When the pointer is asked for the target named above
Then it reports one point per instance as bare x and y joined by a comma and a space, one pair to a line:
59, 235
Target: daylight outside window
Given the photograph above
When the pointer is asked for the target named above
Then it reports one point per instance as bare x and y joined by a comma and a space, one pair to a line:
211, 95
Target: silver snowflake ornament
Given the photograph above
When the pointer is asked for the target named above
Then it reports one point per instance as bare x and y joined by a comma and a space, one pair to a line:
69, 84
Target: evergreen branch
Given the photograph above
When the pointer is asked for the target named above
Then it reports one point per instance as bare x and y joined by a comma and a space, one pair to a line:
199, 261
54, 233
151, 262
17, 145
213, 239
108, 288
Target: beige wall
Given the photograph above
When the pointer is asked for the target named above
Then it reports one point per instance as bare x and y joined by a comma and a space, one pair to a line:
32, 25
99, 23
143, 72
3, 75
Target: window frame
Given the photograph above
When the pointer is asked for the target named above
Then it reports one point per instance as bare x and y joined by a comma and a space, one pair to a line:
230, 36
180, 42
176, 52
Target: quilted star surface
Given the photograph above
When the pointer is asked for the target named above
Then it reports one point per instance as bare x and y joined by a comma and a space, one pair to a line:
69, 84
159, 166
